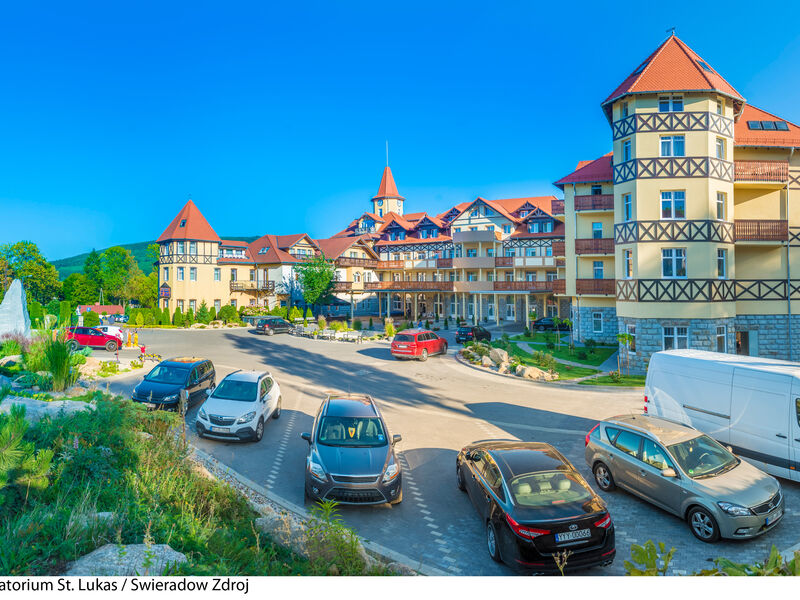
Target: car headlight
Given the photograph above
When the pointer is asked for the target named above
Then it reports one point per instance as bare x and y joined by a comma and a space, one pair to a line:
316, 470
172, 398
391, 472
202, 414
734, 509
247, 418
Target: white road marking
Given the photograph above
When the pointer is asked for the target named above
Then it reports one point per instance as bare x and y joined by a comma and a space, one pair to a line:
280, 454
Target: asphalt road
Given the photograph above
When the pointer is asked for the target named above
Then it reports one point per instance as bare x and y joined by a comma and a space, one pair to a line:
438, 407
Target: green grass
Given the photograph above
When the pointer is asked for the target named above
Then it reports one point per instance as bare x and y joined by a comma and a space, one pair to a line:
565, 372
626, 381
539, 337
598, 357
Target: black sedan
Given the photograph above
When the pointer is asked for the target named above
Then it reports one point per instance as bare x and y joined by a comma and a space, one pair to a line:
535, 507
548, 324
273, 325
472, 334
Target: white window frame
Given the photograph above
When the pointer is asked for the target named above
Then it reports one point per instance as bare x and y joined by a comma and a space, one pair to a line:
722, 263
597, 319
598, 264
721, 206
627, 207
627, 150
678, 335
506, 228
597, 227
180, 274
673, 198
668, 150
722, 332
192, 273
630, 329
675, 256
166, 273
670, 103
628, 262
721, 147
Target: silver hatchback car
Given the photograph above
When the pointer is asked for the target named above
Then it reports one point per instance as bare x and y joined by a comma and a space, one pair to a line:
685, 472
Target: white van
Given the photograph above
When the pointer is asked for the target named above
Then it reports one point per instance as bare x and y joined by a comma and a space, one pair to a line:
748, 403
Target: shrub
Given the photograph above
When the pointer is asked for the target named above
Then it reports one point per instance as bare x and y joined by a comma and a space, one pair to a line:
91, 319
34, 358
615, 376
53, 307
427, 324
357, 325
177, 318
550, 345
389, 328
77, 359
189, 319
295, 314
371, 327
228, 314
322, 322
203, 315
59, 362
590, 345
64, 313
35, 311
165, 319
139, 319
527, 333
446, 323
581, 354
212, 314
309, 314
10, 347
149, 318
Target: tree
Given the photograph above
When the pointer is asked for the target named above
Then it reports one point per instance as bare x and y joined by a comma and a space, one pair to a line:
177, 318
79, 289
228, 314
35, 311
315, 277
165, 318
203, 316
119, 270
64, 314
151, 255
25, 262
625, 340
189, 318
144, 288
91, 319
212, 314
295, 314
93, 268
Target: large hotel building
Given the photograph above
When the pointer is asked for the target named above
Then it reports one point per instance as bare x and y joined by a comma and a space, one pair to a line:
683, 235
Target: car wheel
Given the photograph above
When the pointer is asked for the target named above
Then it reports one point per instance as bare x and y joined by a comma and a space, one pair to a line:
460, 479
260, 430
270, 332
492, 542
540, 328
603, 477
111, 346
444, 349
74, 345
277, 412
424, 356
703, 525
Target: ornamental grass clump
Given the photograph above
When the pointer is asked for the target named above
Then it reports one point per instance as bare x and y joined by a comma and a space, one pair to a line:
58, 359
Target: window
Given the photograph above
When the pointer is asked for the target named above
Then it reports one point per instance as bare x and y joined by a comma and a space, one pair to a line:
667, 104
676, 338
673, 145
192, 273
217, 305
233, 274
490, 252
720, 146
597, 190
490, 228
506, 228
627, 207
720, 106
180, 274
631, 329
655, 456
597, 269
180, 304
628, 442
722, 259
673, 263
597, 322
626, 150
217, 274
510, 308
624, 109
551, 275
548, 250
472, 252
473, 229
548, 226
192, 247
252, 274
489, 276
722, 338
166, 274
533, 226
458, 229
628, 254
530, 251
597, 231
511, 252
193, 305
233, 303
673, 205
722, 198
183, 223
509, 275
181, 247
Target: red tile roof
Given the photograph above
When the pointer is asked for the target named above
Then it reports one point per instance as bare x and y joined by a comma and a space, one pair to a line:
744, 136
673, 67
414, 240
387, 188
111, 309
522, 231
512, 205
195, 226
237, 243
334, 247
590, 171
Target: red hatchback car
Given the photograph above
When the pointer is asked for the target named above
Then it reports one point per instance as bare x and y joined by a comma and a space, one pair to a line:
91, 337
417, 343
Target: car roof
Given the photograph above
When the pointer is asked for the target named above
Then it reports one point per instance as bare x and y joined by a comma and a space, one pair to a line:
249, 376
666, 431
183, 361
350, 405
518, 458
415, 331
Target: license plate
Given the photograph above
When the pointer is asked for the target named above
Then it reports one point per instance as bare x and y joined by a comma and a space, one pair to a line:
402, 346
569, 536
773, 518
221, 429
149, 405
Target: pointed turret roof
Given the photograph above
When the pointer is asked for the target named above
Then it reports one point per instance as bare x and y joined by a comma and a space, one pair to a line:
190, 224
673, 67
387, 189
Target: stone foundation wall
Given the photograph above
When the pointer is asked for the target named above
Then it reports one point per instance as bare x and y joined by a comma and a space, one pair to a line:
769, 335
584, 326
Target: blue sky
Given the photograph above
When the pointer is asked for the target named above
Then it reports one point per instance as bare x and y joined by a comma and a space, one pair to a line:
273, 116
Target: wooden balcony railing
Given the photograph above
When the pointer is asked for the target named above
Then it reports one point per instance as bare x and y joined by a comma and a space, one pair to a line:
559, 248
594, 246
350, 261
769, 171
504, 261
559, 286
523, 286
557, 207
595, 202
390, 264
596, 287
441, 286
561, 262
444, 263
253, 286
342, 286
761, 230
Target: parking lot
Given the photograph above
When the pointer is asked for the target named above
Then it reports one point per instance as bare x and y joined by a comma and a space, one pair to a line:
437, 406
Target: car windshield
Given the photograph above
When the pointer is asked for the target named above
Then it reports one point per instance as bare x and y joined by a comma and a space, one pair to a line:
262, 322
547, 489
402, 337
702, 457
232, 389
464, 329
365, 432
168, 374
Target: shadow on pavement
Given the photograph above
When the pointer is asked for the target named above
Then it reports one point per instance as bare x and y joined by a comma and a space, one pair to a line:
381, 353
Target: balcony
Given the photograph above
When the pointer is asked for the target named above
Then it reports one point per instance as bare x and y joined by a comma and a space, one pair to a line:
594, 246
473, 286
760, 172
253, 286
557, 206
761, 230
342, 286
444, 263
390, 264
474, 262
559, 286
523, 286
595, 287
594, 202
559, 248
474, 236
561, 262
504, 261
350, 261
439, 286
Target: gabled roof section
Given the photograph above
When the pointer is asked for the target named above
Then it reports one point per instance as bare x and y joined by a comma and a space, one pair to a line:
387, 189
233, 243
743, 135
673, 67
512, 205
189, 224
334, 247
272, 249
590, 171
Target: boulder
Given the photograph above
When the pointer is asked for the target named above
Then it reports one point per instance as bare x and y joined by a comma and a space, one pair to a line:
4, 382
498, 356
198, 326
11, 360
530, 373
502, 368
112, 560
486, 362
14, 318
35, 410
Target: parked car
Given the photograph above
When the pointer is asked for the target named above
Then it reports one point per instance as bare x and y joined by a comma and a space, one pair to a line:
120, 318
534, 503
470, 334
417, 343
548, 324
351, 456
239, 407
747, 402
162, 386
685, 472
273, 325
90, 337
111, 330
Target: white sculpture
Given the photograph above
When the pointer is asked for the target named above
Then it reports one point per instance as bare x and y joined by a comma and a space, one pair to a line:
14, 317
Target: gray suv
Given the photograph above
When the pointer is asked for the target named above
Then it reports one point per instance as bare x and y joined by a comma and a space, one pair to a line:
685, 472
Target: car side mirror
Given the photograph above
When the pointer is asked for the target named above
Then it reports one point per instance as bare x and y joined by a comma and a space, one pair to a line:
668, 472
208, 392
396, 438
306, 436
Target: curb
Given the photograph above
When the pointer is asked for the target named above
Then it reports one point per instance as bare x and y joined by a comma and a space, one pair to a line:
377, 550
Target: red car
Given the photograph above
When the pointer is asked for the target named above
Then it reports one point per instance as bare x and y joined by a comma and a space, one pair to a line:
417, 343
89, 336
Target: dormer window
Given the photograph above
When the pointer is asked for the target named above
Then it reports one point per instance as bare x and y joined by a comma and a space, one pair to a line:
263, 250
183, 223
524, 213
